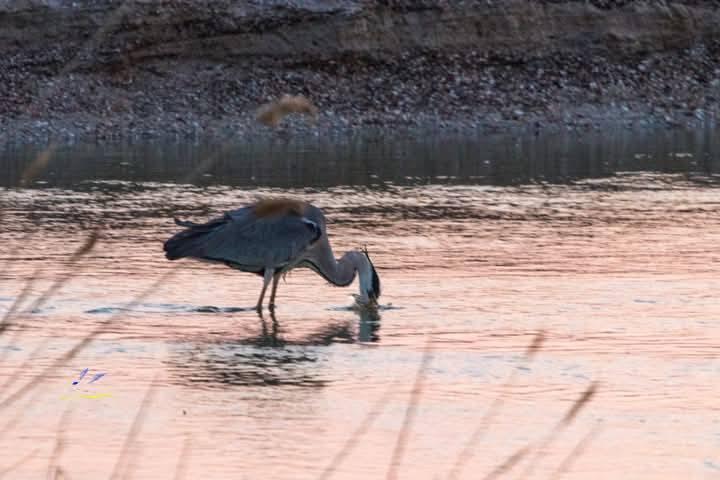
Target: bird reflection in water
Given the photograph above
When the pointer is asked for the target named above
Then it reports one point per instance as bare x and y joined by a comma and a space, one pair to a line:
368, 325
269, 359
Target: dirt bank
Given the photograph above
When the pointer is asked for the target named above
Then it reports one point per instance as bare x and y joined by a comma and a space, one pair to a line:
100, 70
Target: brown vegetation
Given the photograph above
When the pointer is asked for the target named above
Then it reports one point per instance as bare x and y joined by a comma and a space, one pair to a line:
279, 206
272, 113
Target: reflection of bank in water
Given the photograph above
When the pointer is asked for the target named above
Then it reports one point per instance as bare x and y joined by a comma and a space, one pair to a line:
267, 358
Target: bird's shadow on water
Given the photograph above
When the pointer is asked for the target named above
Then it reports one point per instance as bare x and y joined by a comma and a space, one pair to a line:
168, 308
267, 358
175, 308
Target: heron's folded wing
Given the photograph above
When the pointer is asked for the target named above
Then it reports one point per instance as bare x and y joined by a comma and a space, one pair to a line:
260, 242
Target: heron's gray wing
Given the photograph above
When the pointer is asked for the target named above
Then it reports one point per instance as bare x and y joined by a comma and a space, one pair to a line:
254, 243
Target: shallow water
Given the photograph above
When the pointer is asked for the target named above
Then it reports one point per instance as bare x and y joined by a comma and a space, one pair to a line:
606, 242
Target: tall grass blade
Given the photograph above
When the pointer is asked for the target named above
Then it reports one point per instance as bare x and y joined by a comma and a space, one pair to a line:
576, 452
354, 439
410, 413
124, 465
468, 449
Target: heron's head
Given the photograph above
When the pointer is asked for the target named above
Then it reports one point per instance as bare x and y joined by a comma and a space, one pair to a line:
369, 281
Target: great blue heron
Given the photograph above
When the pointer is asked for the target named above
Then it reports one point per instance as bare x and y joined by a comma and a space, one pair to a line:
269, 238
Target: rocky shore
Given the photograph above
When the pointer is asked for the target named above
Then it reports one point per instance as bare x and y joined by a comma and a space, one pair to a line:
105, 70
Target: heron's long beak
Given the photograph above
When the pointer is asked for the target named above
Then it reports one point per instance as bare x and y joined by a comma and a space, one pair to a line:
375, 291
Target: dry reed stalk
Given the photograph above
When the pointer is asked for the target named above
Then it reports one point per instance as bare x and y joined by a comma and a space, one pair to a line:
535, 346
467, 451
4, 323
206, 164
124, 464
54, 468
11, 379
182, 465
509, 463
410, 413
576, 452
540, 450
39, 164
36, 166
5, 267
60, 474
18, 463
580, 403
69, 273
17, 417
355, 437
59, 282
272, 113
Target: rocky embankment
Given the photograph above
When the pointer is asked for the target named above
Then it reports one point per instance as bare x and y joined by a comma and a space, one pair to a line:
107, 69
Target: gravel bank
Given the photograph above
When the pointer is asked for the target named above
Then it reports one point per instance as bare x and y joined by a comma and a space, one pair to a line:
524, 65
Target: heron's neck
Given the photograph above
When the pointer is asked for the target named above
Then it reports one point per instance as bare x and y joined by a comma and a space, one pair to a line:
340, 272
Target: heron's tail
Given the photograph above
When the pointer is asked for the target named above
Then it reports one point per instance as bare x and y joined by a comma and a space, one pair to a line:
189, 242
185, 223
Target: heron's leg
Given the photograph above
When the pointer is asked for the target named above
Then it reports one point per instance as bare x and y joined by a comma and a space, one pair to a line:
266, 281
276, 280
